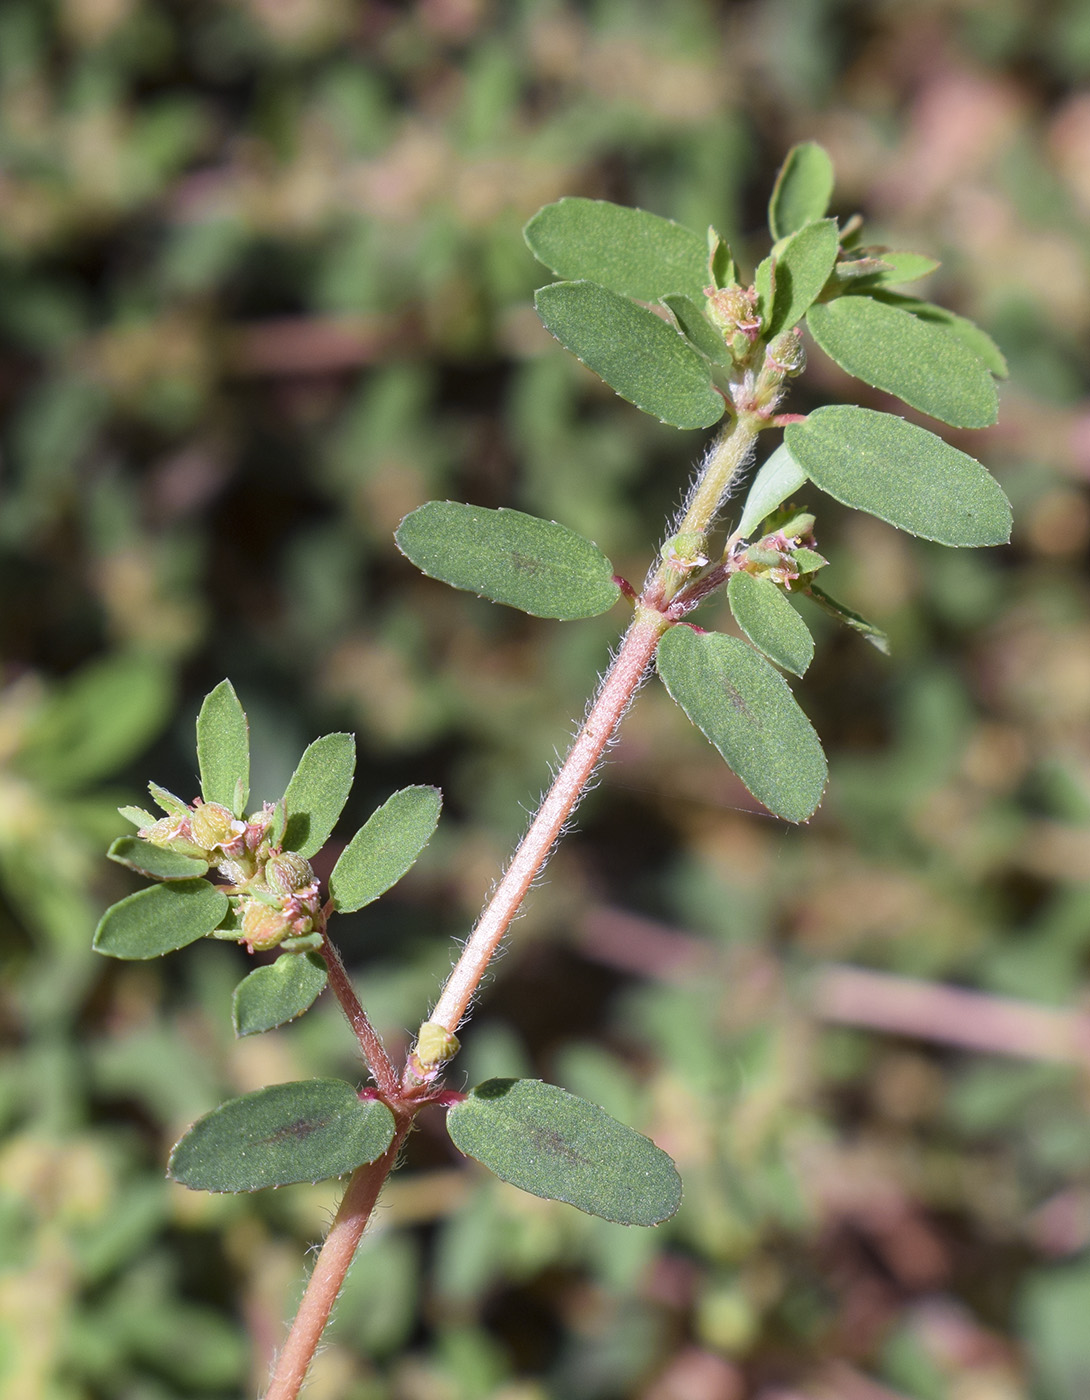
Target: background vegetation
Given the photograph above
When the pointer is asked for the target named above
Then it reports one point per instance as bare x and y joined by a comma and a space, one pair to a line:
262, 291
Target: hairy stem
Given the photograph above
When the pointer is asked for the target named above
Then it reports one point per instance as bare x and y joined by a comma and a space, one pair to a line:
330, 1270
371, 1046
619, 685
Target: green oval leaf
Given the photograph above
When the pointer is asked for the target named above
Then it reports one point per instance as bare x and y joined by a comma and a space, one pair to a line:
305, 1131
968, 332
922, 363
631, 252
317, 793
638, 355
384, 848
770, 622
901, 473
802, 190
223, 749
537, 565
747, 711
157, 862
271, 996
778, 479
804, 266
157, 921
552, 1144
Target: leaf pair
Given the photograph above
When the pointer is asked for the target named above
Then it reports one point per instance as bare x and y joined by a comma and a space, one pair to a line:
614, 258
533, 1135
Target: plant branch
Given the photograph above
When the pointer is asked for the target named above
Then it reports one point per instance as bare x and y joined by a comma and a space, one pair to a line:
619, 685
371, 1047
331, 1269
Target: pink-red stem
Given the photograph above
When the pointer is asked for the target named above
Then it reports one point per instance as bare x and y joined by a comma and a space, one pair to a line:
330, 1271
620, 684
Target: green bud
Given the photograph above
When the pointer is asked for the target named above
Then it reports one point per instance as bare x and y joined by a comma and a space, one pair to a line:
786, 353
213, 825
733, 310
287, 872
435, 1045
262, 926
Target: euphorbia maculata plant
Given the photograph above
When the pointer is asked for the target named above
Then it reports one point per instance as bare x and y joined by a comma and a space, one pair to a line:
664, 316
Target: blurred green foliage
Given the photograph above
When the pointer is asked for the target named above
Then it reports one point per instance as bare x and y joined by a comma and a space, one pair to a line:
262, 292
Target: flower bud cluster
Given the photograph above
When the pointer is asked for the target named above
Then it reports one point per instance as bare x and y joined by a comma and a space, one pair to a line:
733, 311
274, 893
785, 554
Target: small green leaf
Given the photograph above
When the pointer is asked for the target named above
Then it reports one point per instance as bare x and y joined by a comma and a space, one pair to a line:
922, 363
747, 711
317, 793
552, 1144
161, 919
802, 191
631, 252
223, 749
306, 1131
721, 264
902, 268
384, 848
158, 862
764, 282
697, 329
777, 480
543, 568
271, 996
638, 355
874, 635
763, 613
804, 266
139, 816
171, 805
901, 473
968, 332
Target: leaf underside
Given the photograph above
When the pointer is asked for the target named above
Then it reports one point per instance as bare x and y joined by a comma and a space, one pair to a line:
552, 1144
157, 862
802, 191
776, 481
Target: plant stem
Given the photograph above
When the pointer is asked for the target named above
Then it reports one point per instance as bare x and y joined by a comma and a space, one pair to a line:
619, 685
371, 1047
331, 1269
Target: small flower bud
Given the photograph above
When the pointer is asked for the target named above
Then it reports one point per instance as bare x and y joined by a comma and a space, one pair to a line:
733, 310
286, 872
786, 353
435, 1045
262, 926
171, 832
213, 825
